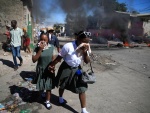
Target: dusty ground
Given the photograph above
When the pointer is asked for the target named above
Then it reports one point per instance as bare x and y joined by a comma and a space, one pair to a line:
123, 80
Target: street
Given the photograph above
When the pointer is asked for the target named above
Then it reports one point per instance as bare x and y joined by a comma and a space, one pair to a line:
122, 84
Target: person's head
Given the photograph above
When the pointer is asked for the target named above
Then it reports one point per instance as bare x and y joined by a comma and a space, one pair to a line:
14, 23
24, 30
50, 30
83, 37
44, 37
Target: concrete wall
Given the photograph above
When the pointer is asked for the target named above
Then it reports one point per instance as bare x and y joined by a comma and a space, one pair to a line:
14, 10
146, 26
10, 10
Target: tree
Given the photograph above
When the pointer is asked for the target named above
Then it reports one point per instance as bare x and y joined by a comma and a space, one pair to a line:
121, 7
57, 28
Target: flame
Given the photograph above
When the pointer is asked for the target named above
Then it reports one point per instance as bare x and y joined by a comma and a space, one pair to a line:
126, 44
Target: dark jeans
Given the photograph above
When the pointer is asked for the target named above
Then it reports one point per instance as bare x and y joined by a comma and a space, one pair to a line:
16, 53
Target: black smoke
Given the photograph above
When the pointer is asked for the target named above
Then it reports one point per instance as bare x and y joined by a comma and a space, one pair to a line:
82, 14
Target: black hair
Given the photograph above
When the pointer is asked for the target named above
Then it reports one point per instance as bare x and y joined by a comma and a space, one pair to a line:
80, 35
14, 21
43, 33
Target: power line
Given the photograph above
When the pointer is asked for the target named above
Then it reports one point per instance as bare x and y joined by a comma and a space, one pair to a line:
145, 8
141, 3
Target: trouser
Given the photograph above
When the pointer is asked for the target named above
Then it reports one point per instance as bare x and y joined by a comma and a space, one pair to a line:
16, 53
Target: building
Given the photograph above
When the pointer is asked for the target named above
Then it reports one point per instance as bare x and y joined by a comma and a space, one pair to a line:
19, 10
145, 18
139, 24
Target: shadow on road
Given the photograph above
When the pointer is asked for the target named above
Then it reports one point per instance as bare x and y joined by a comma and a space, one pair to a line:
34, 96
7, 62
29, 74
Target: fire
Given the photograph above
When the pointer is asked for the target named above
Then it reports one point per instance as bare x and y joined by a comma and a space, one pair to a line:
126, 44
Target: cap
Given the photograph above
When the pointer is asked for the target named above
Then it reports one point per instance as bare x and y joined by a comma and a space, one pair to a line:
50, 29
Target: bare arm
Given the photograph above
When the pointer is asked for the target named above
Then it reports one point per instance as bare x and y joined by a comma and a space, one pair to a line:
36, 57
53, 63
58, 49
38, 54
58, 58
86, 57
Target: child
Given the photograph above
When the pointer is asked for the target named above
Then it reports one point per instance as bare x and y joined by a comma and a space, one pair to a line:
44, 53
66, 77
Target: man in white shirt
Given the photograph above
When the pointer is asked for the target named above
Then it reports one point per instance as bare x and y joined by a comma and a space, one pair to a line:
16, 34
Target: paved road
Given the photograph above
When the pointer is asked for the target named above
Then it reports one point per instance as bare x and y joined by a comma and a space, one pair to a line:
120, 88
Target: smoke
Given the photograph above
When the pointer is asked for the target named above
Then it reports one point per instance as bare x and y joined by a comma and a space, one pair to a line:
81, 14
43, 10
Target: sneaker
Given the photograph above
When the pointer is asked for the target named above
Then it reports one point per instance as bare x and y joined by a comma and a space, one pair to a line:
63, 103
21, 62
15, 68
85, 112
48, 105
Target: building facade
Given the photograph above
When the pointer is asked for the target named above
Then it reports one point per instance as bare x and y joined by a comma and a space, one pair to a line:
19, 10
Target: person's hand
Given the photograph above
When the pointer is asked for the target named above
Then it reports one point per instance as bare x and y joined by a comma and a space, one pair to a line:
51, 68
41, 45
85, 47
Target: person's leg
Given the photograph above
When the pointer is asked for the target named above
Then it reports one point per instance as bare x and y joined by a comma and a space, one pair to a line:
28, 48
48, 97
61, 100
14, 54
19, 56
82, 97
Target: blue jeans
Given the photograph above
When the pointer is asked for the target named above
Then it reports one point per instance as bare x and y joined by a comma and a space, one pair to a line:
16, 53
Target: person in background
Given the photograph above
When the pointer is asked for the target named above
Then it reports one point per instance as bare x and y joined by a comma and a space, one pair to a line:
26, 41
16, 34
69, 74
44, 53
7, 33
53, 39
6, 45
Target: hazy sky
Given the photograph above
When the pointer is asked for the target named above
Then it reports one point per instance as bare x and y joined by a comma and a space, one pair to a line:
56, 15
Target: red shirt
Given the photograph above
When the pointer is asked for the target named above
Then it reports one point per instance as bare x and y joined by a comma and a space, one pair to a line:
7, 34
26, 42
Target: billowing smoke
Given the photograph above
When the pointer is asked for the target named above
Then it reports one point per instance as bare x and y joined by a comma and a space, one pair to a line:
82, 14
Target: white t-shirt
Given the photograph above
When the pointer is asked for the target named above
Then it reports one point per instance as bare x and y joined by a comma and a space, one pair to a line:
69, 54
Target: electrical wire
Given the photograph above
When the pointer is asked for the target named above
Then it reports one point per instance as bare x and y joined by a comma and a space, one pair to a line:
140, 3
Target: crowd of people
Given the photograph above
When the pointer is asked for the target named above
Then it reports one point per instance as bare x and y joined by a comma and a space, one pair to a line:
47, 54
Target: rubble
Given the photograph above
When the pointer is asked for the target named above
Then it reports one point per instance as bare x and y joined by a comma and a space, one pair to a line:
22, 92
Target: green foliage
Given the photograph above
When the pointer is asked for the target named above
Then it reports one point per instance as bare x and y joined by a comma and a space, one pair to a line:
120, 7
57, 28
